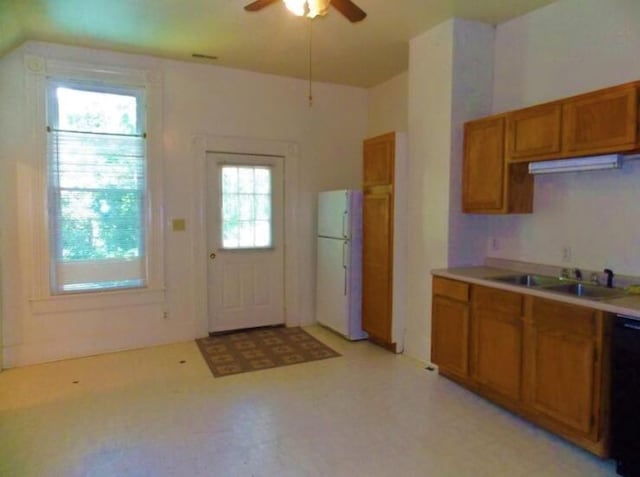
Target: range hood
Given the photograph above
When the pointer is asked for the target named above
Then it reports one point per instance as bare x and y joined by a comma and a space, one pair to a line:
594, 163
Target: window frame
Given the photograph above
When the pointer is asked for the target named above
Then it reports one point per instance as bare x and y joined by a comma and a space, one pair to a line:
39, 72
53, 190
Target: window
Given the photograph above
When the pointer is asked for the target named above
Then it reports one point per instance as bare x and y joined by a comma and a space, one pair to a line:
97, 187
246, 207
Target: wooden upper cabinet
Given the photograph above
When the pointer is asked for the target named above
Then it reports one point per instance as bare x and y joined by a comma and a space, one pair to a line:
379, 160
497, 149
534, 133
563, 364
496, 340
489, 184
601, 122
484, 165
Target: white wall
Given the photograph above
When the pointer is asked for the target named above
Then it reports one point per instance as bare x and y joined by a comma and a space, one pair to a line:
7, 144
388, 106
11, 128
567, 48
198, 99
472, 82
450, 78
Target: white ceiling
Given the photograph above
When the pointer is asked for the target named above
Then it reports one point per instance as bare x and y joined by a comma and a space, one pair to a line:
270, 41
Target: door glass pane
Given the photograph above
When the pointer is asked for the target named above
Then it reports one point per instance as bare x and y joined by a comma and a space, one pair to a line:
246, 211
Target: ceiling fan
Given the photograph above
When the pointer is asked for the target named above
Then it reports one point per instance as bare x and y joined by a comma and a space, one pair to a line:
312, 8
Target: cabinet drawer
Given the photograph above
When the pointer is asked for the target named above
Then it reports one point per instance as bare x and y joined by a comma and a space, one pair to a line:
564, 318
451, 289
498, 301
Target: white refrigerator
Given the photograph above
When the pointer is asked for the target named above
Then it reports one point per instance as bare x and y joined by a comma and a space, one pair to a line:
339, 262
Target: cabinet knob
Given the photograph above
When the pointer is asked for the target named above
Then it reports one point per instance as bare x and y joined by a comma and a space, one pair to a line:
212, 256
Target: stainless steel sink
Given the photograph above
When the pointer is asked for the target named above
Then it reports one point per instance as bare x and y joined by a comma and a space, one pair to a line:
529, 280
594, 292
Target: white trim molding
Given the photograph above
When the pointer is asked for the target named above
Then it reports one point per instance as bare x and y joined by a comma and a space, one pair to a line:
98, 301
34, 212
203, 144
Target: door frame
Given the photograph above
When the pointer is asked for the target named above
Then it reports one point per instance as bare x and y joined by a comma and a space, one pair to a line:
201, 145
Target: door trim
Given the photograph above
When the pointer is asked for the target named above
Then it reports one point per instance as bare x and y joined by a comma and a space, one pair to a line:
201, 145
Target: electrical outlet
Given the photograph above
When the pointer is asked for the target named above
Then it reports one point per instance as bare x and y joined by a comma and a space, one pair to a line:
566, 254
495, 244
165, 315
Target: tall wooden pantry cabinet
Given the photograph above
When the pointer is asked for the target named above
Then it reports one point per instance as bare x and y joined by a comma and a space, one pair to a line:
384, 239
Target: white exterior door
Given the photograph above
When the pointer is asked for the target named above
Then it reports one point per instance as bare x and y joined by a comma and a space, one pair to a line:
245, 225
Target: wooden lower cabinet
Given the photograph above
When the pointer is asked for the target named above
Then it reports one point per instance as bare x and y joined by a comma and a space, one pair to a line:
564, 359
377, 265
496, 340
378, 206
543, 359
450, 327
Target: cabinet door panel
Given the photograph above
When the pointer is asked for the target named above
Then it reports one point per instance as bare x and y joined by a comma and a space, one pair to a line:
563, 386
563, 377
484, 165
534, 132
377, 271
496, 340
379, 154
605, 121
497, 349
450, 335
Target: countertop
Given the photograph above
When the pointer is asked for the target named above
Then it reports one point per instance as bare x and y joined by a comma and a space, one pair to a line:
627, 305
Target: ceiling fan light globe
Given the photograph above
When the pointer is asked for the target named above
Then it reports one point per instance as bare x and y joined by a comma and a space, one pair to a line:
308, 8
297, 7
317, 8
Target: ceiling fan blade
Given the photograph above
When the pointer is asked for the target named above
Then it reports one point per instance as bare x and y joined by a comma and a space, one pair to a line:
349, 10
259, 5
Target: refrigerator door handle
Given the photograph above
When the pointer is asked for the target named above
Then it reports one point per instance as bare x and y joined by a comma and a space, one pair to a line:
344, 224
344, 266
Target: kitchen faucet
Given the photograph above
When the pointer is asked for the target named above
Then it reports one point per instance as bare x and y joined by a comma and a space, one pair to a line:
578, 274
609, 273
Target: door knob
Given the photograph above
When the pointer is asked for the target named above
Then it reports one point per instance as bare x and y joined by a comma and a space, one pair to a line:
212, 256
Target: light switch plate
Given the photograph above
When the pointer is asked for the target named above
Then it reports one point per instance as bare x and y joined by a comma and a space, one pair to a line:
179, 225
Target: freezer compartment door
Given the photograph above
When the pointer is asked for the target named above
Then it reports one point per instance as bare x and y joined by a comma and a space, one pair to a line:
333, 214
332, 301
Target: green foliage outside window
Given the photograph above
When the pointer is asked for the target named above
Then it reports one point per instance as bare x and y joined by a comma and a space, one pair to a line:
101, 176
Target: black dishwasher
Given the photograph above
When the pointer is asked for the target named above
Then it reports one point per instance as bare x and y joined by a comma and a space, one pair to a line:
625, 396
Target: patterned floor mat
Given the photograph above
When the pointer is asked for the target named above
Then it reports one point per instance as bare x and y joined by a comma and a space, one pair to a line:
263, 348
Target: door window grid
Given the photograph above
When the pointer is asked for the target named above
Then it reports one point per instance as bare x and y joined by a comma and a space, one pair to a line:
246, 207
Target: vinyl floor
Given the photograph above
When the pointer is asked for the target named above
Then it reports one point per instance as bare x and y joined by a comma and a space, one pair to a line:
159, 412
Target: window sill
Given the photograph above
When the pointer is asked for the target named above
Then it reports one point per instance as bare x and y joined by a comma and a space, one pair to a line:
97, 301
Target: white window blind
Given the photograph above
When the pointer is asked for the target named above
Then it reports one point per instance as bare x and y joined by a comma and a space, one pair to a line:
97, 187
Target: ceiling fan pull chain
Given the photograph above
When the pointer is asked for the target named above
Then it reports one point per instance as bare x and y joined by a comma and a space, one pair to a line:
310, 62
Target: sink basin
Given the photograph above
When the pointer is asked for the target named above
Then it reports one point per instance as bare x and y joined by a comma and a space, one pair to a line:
528, 280
587, 291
